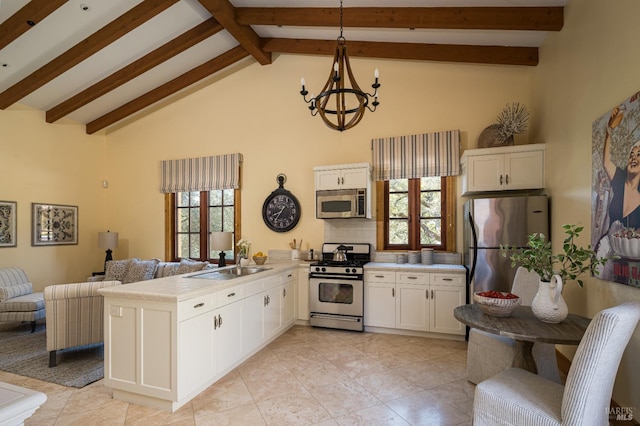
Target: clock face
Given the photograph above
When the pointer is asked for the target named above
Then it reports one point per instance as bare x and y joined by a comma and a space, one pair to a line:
281, 211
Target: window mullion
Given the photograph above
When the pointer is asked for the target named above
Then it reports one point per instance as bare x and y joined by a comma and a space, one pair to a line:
414, 213
204, 226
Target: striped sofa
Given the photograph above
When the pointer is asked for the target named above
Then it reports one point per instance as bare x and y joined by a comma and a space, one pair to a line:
18, 302
74, 315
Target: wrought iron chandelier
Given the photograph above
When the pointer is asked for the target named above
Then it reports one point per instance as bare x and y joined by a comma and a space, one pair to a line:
350, 102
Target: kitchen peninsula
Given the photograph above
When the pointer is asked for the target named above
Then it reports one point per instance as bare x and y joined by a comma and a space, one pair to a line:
168, 339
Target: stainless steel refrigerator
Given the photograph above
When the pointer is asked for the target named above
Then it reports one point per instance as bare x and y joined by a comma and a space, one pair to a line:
491, 222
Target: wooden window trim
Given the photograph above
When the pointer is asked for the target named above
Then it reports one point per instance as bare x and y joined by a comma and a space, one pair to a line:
170, 253
448, 228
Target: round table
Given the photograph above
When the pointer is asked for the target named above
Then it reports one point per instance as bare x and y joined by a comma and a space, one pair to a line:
525, 329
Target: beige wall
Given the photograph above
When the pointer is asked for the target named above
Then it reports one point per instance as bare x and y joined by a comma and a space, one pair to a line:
585, 70
258, 111
58, 164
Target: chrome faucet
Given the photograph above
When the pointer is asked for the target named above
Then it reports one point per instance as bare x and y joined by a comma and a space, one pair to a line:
239, 265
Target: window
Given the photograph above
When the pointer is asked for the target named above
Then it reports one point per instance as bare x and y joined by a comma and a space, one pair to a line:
193, 216
418, 213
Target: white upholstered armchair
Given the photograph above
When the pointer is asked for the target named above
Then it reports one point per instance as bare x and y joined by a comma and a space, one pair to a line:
74, 315
489, 354
518, 397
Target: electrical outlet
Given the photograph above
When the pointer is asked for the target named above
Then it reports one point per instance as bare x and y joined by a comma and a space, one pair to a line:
115, 311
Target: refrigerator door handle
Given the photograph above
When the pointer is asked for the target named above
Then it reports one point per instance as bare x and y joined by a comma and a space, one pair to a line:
475, 246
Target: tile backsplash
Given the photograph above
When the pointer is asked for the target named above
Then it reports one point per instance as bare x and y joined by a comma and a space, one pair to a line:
364, 231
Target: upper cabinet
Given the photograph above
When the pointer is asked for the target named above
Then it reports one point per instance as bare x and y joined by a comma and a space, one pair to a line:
344, 176
503, 169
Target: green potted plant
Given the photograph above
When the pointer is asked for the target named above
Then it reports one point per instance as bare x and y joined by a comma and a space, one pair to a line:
569, 265
554, 269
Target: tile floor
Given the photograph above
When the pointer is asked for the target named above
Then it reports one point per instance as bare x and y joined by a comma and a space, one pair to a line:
308, 376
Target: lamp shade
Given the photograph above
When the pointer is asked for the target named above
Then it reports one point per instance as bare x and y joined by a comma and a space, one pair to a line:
108, 240
221, 241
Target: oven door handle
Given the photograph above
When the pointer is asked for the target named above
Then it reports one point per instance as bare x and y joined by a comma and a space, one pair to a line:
336, 277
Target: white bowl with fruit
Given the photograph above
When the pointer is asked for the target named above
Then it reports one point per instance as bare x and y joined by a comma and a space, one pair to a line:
260, 258
496, 303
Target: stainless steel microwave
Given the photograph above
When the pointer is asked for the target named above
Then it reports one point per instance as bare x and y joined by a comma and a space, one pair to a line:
341, 204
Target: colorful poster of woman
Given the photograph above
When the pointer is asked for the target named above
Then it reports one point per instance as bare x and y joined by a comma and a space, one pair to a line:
615, 201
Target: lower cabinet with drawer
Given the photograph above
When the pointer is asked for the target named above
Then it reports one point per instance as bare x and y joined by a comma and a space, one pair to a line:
414, 301
162, 354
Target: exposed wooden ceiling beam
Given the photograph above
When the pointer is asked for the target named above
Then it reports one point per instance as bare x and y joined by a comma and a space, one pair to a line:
412, 51
26, 18
208, 68
225, 13
167, 51
476, 18
81, 51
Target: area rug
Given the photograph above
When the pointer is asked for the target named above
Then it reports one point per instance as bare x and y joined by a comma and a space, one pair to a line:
25, 353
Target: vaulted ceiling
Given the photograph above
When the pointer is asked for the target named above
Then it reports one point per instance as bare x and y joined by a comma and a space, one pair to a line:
98, 62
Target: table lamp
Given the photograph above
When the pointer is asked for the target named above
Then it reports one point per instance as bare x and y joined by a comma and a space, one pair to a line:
221, 241
107, 240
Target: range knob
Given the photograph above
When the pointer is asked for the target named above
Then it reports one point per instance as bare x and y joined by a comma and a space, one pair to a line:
353, 270
347, 270
324, 269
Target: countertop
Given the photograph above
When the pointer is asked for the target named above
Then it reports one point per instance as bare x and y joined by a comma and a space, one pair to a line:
181, 287
415, 267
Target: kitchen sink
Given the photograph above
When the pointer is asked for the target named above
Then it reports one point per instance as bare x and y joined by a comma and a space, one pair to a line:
228, 274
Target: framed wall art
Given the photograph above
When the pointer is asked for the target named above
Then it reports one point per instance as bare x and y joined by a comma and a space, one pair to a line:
8, 215
615, 204
54, 224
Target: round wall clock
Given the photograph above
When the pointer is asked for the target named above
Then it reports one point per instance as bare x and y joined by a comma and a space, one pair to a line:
281, 210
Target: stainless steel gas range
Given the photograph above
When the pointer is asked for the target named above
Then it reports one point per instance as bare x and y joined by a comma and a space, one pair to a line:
336, 293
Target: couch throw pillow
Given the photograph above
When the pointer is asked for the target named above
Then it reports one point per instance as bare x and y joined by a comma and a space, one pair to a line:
12, 291
141, 270
189, 265
116, 270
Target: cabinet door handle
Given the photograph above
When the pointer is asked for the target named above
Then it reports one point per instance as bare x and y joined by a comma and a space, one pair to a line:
231, 294
284, 292
433, 296
265, 301
199, 305
412, 278
500, 179
219, 321
393, 292
447, 279
338, 180
290, 276
507, 179
379, 276
215, 323
427, 293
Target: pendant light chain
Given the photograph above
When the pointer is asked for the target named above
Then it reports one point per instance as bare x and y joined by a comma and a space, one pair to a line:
341, 15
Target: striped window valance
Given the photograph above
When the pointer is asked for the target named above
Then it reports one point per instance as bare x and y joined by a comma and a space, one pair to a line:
201, 174
415, 156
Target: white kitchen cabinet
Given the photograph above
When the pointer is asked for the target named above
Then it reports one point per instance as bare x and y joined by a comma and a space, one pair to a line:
503, 168
161, 353
288, 296
412, 307
227, 336
380, 299
415, 301
196, 348
347, 176
303, 293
